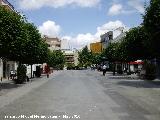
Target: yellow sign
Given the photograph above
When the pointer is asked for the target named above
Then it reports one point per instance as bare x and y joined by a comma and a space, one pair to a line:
96, 47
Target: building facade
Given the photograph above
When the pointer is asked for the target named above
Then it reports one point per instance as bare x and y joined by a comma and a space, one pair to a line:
106, 39
53, 43
119, 38
71, 56
7, 5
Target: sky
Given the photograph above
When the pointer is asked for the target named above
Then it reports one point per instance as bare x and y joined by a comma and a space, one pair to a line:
80, 22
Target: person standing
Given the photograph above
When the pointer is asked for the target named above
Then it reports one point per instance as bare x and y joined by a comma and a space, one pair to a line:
104, 69
47, 70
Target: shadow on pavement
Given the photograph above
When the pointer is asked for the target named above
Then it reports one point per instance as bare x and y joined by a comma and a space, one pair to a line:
120, 77
140, 84
8, 86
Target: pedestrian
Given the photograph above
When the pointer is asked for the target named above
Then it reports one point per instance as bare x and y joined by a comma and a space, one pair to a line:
47, 70
12, 74
104, 69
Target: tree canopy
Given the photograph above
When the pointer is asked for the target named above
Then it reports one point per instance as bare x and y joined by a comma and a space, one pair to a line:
85, 57
56, 59
134, 44
19, 40
10, 32
151, 21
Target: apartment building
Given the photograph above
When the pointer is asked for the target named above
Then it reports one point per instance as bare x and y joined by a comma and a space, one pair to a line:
53, 43
106, 39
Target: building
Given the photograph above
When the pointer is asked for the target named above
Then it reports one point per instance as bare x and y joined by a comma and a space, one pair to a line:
119, 38
96, 47
53, 43
106, 39
71, 56
7, 5
65, 44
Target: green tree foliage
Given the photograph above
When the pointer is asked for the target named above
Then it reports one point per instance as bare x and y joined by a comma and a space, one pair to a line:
130, 48
43, 52
152, 26
85, 57
20, 40
96, 58
111, 52
10, 32
56, 59
21, 73
134, 44
32, 44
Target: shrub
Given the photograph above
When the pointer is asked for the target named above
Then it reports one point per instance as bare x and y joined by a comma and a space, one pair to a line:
21, 74
119, 69
150, 71
38, 71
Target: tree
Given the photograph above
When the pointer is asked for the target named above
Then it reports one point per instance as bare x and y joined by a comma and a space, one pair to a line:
19, 40
56, 59
134, 44
10, 33
151, 21
33, 44
85, 57
96, 58
111, 52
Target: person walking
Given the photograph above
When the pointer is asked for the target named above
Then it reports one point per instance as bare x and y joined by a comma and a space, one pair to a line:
47, 70
104, 69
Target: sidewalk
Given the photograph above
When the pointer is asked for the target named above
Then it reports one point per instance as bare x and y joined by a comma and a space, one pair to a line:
120, 76
9, 91
9, 85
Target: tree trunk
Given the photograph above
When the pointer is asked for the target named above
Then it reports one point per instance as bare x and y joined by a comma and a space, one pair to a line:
114, 68
31, 71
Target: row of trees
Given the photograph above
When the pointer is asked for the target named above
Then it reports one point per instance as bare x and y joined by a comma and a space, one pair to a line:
141, 42
87, 58
21, 41
56, 59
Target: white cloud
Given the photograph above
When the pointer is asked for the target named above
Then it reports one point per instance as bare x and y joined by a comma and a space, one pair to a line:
49, 28
137, 4
36, 4
109, 26
115, 9
81, 40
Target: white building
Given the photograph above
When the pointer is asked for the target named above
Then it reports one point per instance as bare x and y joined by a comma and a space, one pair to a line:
53, 43
119, 38
71, 55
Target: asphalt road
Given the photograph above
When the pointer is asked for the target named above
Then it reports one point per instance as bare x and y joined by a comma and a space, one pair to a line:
83, 95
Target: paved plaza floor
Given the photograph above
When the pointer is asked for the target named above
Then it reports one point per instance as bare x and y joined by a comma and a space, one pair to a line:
82, 95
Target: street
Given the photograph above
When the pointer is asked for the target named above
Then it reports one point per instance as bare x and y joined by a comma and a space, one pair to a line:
83, 95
